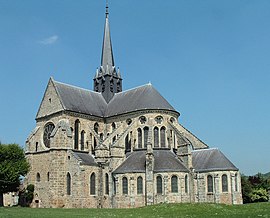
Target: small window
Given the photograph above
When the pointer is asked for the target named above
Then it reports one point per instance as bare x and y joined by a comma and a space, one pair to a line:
174, 184
224, 183
128, 121
139, 185
125, 185
50, 100
210, 187
93, 184
159, 119
38, 177
159, 185
36, 146
142, 119
68, 184
48, 176
96, 126
113, 126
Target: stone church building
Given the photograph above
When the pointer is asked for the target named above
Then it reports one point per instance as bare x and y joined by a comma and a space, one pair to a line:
117, 149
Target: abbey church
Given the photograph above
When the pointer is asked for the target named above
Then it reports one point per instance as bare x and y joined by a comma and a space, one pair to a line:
111, 148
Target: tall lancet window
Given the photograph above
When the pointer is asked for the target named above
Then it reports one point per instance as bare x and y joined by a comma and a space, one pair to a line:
139, 138
159, 185
93, 184
210, 185
106, 184
76, 134
224, 183
163, 136
145, 134
156, 137
125, 185
82, 140
68, 184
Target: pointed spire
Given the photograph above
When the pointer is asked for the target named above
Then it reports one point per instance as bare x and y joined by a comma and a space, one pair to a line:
107, 61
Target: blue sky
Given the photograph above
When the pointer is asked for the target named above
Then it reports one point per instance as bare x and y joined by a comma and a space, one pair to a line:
209, 59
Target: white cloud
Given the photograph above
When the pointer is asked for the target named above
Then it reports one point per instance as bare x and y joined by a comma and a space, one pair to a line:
48, 41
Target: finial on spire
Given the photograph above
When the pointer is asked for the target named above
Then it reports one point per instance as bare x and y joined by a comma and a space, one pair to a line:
107, 8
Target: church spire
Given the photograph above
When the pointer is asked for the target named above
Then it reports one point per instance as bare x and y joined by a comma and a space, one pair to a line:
107, 81
107, 61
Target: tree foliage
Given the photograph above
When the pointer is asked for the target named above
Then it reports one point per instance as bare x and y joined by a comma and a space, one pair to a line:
255, 188
26, 196
13, 165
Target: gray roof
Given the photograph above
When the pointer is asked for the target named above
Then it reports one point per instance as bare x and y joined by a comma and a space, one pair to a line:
164, 161
85, 158
89, 102
81, 100
211, 160
143, 97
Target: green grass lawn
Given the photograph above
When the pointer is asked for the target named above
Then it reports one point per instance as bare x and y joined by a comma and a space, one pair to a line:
162, 210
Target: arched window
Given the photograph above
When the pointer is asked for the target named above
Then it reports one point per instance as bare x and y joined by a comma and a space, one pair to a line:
186, 184
236, 183
93, 184
224, 183
106, 184
125, 185
127, 144
139, 138
68, 184
139, 185
159, 185
82, 140
145, 134
162, 137
95, 145
38, 177
156, 137
114, 185
48, 176
101, 136
174, 184
210, 183
76, 134
113, 126
96, 126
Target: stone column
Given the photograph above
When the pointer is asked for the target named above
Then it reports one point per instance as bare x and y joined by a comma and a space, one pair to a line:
216, 188
149, 171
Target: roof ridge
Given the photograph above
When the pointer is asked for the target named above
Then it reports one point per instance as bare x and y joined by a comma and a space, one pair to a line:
141, 86
77, 87
197, 150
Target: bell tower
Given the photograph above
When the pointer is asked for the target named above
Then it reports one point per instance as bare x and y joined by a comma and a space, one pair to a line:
107, 80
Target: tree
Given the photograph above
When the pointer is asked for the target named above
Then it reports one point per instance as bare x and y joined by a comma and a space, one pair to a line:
259, 195
13, 164
255, 188
26, 196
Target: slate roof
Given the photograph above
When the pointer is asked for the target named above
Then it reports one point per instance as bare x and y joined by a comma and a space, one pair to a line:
204, 160
85, 158
89, 102
81, 100
164, 160
143, 97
